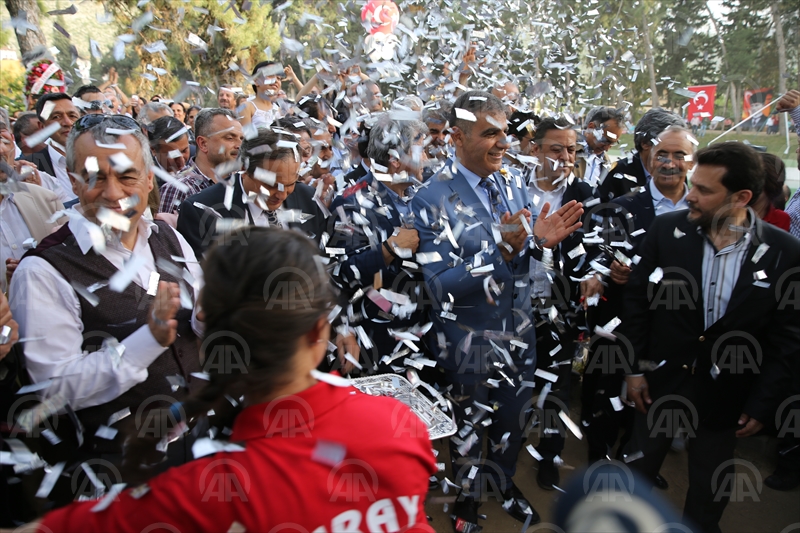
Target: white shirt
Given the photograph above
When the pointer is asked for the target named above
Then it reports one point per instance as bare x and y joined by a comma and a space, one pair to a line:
13, 232
593, 166
60, 168
259, 215
541, 284
662, 204
475, 182
49, 315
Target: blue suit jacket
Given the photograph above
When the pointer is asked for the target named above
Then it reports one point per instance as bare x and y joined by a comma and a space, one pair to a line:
477, 323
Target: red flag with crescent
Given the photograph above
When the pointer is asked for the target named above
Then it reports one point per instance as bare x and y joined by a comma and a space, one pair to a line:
702, 105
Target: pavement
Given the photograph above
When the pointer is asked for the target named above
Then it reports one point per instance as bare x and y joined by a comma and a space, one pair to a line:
760, 509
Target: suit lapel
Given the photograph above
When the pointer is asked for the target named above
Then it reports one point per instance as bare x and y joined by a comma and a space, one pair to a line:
469, 197
33, 217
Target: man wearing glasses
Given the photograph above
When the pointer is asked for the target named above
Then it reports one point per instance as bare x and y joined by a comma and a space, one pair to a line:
106, 322
255, 196
602, 131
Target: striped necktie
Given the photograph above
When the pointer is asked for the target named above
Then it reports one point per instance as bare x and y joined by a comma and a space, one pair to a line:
494, 198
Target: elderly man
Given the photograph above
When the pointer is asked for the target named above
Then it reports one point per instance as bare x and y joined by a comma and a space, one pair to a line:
218, 136
632, 173
153, 111
55, 109
26, 125
474, 225
106, 310
602, 130
712, 326
169, 142
266, 194
226, 98
373, 224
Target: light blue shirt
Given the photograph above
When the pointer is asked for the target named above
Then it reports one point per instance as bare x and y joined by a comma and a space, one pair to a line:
662, 204
475, 182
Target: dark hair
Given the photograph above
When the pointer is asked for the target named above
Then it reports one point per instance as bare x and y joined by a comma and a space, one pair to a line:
315, 106
242, 274
178, 103
652, 124
86, 89
550, 123
48, 98
601, 115
192, 108
21, 126
294, 124
264, 147
521, 124
774, 176
203, 120
475, 102
258, 67
438, 112
744, 170
163, 128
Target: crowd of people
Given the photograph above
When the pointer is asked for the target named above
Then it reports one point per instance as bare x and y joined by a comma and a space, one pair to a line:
180, 278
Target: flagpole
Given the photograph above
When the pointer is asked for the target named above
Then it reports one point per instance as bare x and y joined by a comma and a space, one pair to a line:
775, 100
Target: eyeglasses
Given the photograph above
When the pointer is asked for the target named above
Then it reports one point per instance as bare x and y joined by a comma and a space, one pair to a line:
89, 121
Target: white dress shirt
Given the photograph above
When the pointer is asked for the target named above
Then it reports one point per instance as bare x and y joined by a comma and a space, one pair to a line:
594, 164
259, 215
541, 284
662, 204
49, 315
13, 232
60, 168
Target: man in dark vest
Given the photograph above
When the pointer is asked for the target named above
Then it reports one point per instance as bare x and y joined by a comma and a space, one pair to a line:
106, 304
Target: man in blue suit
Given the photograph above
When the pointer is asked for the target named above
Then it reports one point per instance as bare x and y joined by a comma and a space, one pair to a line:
475, 216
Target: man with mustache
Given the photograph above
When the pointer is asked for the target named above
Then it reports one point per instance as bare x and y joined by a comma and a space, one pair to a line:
219, 137
713, 322
671, 158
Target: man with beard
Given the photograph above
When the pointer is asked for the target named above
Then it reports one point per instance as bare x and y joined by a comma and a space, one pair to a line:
710, 283
219, 137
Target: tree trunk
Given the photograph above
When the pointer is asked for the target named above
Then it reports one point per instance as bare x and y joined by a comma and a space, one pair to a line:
27, 10
651, 67
776, 19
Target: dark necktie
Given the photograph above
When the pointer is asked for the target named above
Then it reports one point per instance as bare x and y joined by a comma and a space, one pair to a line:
272, 218
494, 199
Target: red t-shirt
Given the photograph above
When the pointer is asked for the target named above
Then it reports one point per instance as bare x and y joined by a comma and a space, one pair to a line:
778, 218
327, 459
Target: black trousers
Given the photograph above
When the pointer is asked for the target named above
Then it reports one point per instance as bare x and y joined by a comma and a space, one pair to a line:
711, 466
551, 430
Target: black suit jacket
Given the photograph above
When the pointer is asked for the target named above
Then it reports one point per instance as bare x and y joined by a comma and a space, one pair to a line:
618, 183
355, 174
42, 160
198, 226
750, 348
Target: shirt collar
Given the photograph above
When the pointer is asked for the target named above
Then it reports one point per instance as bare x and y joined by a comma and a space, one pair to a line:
55, 154
744, 239
562, 185
473, 179
81, 229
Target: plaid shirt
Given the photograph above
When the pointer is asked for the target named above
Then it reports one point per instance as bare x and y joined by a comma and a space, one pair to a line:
793, 208
172, 198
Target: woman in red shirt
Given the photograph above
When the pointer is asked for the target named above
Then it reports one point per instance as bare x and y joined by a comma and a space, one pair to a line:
308, 453
774, 178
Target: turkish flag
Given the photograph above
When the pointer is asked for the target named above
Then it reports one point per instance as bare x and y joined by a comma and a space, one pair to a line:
702, 105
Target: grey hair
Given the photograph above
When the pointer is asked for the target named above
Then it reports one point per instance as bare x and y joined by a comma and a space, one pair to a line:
683, 130
399, 135
601, 115
203, 120
409, 101
653, 123
475, 102
156, 107
100, 134
436, 115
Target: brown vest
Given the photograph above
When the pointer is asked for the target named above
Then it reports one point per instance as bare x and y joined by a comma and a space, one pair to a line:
118, 315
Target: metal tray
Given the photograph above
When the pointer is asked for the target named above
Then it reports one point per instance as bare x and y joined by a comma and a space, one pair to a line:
398, 387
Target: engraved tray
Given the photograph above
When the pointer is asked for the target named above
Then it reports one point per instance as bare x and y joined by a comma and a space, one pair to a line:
398, 387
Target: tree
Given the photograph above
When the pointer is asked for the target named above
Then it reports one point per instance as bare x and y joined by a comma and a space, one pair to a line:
25, 16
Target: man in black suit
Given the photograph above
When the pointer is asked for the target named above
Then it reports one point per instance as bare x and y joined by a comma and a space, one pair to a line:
554, 144
630, 216
372, 224
710, 323
267, 193
631, 173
